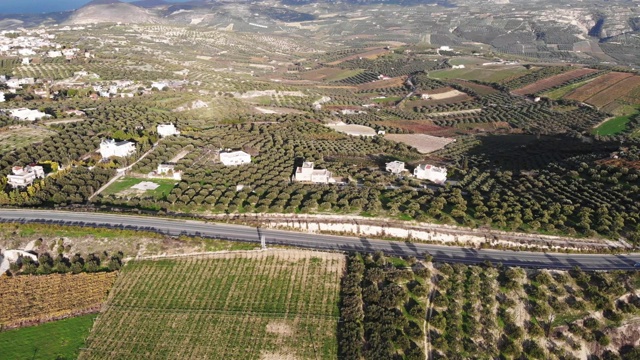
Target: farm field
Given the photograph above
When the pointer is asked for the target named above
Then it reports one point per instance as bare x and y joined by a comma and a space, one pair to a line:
369, 54
484, 73
613, 126
28, 300
552, 81
14, 137
125, 187
616, 93
60, 339
328, 74
354, 130
256, 305
422, 142
561, 92
596, 86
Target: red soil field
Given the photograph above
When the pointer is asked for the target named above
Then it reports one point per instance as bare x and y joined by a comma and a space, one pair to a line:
615, 92
588, 90
553, 81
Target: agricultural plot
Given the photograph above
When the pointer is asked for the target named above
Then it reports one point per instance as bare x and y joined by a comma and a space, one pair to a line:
613, 126
510, 313
596, 86
14, 137
256, 305
60, 339
28, 300
140, 187
422, 142
493, 74
353, 130
553, 81
385, 300
618, 94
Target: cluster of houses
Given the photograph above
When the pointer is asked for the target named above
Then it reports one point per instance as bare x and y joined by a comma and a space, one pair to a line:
432, 173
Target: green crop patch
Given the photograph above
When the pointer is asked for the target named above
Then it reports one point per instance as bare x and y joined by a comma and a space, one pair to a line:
61, 339
252, 305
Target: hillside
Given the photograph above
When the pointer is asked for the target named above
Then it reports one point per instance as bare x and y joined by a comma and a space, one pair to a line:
108, 11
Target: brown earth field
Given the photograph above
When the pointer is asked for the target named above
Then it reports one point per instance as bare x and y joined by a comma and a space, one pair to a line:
480, 89
393, 82
320, 74
370, 54
598, 85
613, 93
626, 91
553, 81
424, 127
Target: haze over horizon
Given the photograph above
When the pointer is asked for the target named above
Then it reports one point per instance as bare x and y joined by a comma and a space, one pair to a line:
39, 6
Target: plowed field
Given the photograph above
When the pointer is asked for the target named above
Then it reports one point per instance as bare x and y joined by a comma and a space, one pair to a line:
550, 82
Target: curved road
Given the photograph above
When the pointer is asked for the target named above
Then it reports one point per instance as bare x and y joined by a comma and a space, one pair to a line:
323, 242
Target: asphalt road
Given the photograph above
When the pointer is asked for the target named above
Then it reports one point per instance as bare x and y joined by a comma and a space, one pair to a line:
324, 242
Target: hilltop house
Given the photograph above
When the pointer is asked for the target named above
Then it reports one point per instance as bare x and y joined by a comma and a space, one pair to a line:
24, 176
109, 148
167, 130
395, 167
432, 173
307, 173
235, 158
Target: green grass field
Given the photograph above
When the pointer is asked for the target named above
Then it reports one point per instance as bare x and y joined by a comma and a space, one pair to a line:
122, 186
55, 340
613, 126
256, 305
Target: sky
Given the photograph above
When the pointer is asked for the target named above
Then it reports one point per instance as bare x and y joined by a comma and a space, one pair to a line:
41, 6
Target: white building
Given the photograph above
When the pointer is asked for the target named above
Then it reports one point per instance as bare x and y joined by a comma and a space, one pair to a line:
109, 148
26, 61
445, 48
432, 173
235, 158
425, 96
27, 114
24, 176
167, 130
54, 54
307, 173
159, 85
395, 167
457, 67
2, 99
169, 170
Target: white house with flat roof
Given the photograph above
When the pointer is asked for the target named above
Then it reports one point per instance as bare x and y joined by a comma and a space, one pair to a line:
169, 170
27, 114
432, 173
24, 176
307, 173
167, 130
235, 158
109, 148
395, 167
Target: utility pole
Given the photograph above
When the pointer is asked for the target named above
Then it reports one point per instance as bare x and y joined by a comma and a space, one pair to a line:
263, 242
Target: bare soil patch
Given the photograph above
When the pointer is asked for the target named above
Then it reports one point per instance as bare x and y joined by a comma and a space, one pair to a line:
552, 81
422, 142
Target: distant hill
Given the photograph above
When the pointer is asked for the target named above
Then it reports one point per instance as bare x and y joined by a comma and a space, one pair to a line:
149, 3
100, 11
